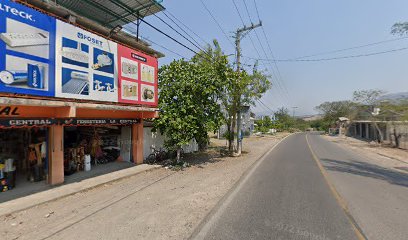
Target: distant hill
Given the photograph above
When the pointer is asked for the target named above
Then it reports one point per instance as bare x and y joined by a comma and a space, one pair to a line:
395, 97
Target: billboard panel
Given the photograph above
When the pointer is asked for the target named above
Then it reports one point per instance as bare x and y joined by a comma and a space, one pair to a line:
86, 65
137, 77
42, 56
27, 50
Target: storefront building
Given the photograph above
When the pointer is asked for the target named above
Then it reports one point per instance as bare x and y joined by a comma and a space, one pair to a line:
69, 98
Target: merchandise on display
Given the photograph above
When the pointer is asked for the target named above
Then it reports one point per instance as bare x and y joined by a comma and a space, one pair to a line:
23, 156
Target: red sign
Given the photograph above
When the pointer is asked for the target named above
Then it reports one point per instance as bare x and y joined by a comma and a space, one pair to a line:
137, 75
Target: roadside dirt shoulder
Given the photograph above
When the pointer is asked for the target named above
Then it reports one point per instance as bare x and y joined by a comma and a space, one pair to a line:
160, 204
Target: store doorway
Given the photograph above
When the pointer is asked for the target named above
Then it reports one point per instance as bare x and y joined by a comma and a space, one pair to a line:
96, 149
23, 157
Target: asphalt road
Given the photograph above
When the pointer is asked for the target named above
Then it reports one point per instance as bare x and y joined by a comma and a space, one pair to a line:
376, 195
285, 196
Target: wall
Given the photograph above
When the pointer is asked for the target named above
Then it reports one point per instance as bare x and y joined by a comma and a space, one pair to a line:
401, 128
156, 140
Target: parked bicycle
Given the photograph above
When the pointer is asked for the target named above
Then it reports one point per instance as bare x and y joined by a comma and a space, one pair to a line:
156, 156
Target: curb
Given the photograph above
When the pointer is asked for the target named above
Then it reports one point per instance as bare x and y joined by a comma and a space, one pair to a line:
199, 232
63, 191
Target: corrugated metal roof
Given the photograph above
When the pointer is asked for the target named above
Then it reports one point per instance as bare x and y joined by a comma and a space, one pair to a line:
112, 13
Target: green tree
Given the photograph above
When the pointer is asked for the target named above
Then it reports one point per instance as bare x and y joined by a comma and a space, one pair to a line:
332, 111
400, 28
283, 119
222, 73
368, 100
188, 100
248, 89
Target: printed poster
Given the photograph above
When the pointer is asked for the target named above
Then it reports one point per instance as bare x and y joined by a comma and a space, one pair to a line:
27, 50
137, 77
86, 65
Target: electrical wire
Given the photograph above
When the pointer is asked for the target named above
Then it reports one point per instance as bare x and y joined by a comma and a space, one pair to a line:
152, 42
167, 35
196, 44
181, 22
259, 100
160, 31
352, 48
274, 80
330, 59
218, 24
272, 55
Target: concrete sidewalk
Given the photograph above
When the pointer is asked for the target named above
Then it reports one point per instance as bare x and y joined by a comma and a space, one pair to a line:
69, 189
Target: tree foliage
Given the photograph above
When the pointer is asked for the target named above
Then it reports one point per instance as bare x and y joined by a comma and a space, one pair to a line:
188, 100
199, 95
331, 111
400, 28
367, 97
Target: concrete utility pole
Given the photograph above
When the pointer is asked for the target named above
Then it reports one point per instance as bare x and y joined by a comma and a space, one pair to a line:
239, 34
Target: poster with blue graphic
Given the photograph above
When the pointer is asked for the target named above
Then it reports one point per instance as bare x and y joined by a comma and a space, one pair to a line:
86, 65
27, 50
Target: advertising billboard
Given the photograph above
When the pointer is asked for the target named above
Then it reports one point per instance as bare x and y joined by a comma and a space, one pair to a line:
86, 65
137, 77
42, 56
27, 50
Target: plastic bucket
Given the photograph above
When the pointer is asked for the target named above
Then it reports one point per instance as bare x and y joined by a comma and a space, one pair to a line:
87, 163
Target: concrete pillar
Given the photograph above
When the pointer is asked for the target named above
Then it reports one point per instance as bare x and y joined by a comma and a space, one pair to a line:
56, 155
367, 131
137, 142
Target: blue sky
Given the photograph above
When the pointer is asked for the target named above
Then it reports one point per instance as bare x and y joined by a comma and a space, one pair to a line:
296, 28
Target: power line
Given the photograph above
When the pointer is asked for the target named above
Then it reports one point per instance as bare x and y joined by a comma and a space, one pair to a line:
334, 58
218, 24
196, 44
239, 13
167, 35
272, 55
157, 29
259, 100
277, 81
181, 22
152, 42
178, 54
352, 48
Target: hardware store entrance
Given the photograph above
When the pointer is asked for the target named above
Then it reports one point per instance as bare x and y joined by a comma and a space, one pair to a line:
90, 147
23, 157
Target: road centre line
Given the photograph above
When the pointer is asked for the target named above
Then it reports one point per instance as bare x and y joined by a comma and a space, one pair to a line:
357, 230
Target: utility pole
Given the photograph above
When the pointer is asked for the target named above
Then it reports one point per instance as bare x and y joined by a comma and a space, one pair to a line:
239, 34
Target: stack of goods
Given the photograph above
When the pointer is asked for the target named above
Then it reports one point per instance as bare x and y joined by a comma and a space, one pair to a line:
7, 175
74, 160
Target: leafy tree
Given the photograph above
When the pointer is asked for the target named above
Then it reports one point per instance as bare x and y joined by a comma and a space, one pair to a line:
400, 28
264, 124
332, 111
247, 89
283, 119
188, 100
222, 71
368, 99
